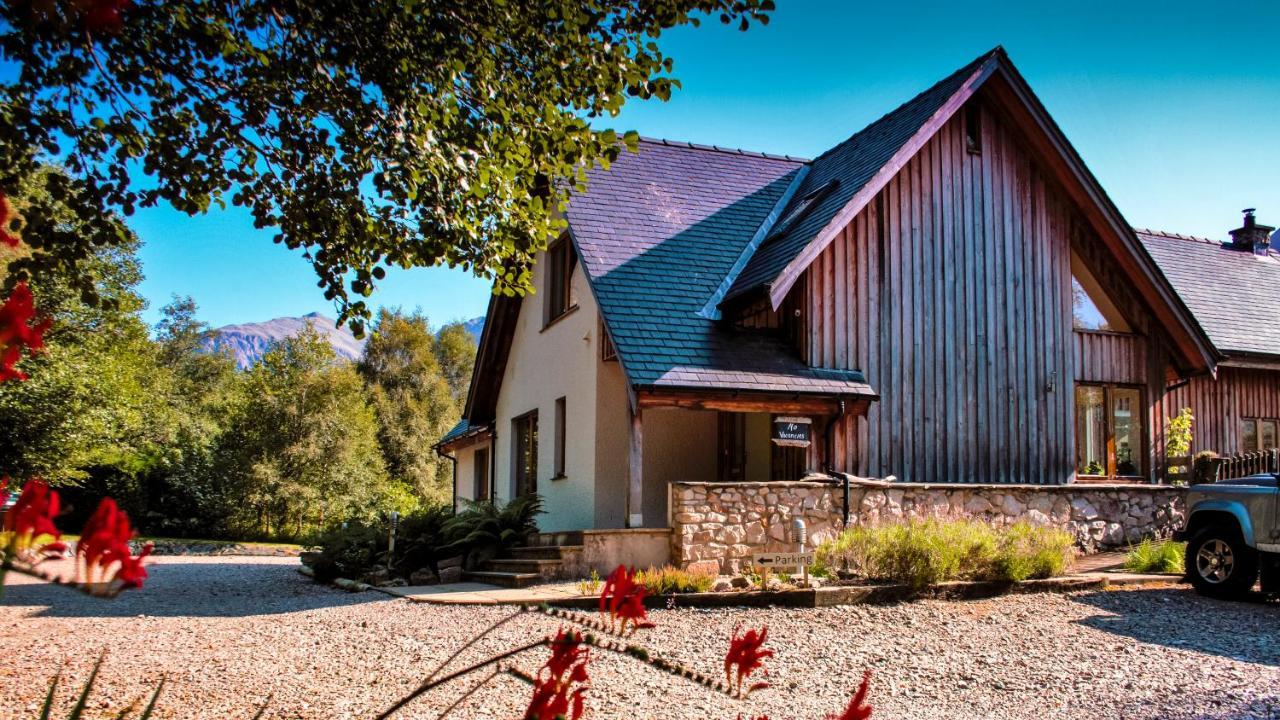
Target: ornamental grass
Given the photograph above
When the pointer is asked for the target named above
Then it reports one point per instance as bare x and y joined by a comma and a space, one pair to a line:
920, 553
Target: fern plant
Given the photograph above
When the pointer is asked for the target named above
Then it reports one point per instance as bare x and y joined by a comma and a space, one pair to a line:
483, 528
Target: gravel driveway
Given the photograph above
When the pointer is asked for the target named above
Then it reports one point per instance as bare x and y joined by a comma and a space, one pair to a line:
230, 632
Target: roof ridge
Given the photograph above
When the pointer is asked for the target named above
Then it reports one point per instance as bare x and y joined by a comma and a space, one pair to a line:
968, 68
1178, 236
719, 149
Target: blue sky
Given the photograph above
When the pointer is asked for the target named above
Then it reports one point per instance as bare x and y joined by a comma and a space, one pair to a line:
1175, 106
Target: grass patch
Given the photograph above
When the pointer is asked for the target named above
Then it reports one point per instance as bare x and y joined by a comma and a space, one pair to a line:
668, 579
920, 553
1156, 556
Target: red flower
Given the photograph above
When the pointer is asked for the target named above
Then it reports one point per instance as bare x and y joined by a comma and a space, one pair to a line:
29, 523
17, 331
623, 599
104, 547
745, 652
554, 694
6, 217
858, 709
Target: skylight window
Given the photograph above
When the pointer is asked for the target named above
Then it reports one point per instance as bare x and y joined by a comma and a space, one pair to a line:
802, 207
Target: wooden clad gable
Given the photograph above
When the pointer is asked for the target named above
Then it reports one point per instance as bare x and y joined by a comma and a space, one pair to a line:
951, 291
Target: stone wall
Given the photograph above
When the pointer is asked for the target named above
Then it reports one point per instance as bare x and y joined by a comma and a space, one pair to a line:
716, 526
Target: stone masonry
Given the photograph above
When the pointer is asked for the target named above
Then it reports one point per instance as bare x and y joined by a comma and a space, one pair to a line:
717, 526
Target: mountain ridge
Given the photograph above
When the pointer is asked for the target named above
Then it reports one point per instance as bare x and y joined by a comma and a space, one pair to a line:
248, 342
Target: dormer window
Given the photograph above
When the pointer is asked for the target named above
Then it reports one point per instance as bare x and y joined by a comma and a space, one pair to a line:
560, 263
802, 206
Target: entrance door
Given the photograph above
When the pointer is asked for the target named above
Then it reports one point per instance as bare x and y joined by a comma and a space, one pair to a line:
747, 453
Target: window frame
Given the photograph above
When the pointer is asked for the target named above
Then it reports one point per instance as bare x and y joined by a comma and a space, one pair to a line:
480, 473
973, 128
1258, 433
1109, 426
524, 476
561, 260
558, 470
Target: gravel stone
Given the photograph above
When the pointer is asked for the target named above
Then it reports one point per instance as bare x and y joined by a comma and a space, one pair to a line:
230, 631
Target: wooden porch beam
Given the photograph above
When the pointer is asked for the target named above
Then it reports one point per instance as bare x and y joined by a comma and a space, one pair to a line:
635, 471
727, 402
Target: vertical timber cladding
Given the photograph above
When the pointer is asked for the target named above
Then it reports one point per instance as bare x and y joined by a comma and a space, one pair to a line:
1220, 405
951, 292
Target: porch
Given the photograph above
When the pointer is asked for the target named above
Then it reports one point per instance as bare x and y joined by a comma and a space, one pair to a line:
727, 437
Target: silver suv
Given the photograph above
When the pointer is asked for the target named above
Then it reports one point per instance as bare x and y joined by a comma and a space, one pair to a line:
1233, 535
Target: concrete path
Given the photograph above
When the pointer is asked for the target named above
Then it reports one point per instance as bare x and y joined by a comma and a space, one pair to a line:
470, 593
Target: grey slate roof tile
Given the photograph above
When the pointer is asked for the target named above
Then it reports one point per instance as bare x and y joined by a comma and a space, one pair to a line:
853, 163
1233, 294
657, 233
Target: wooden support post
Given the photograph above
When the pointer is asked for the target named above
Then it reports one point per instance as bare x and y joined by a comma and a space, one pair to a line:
635, 474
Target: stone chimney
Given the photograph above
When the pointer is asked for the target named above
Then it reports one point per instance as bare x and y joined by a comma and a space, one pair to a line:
1251, 237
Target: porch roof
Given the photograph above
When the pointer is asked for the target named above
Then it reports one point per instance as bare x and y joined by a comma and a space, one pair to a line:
462, 432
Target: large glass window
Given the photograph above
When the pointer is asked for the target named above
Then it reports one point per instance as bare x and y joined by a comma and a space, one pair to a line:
1110, 441
1091, 430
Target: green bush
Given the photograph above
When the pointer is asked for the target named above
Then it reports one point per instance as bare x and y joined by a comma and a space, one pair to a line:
1155, 556
920, 553
668, 579
484, 529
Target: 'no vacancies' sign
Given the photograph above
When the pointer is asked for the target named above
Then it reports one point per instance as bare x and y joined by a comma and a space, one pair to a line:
792, 431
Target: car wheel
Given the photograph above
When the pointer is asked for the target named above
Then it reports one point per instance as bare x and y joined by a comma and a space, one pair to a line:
1219, 564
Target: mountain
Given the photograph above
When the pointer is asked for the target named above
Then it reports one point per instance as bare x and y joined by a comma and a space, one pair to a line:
475, 326
248, 342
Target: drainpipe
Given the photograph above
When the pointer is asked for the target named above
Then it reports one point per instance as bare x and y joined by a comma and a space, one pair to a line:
453, 460
830, 451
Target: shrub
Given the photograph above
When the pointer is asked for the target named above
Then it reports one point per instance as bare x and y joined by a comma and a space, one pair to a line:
920, 553
484, 528
668, 579
1155, 556
1027, 551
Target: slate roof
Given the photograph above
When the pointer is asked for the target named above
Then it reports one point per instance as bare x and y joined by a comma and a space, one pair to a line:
1234, 294
851, 164
657, 233
460, 431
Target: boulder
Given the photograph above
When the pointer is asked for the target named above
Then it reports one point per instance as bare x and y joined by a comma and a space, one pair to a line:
455, 561
450, 574
423, 576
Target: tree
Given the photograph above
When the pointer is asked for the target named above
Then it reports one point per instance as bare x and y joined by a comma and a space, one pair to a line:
89, 402
303, 450
407, 370
456, 352
454, 137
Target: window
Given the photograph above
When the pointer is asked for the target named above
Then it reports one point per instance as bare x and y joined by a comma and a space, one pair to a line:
1110, 441
1091, 309
560, 262
524, 454
973, 128
1258, 434
480, 490
802, 206
560, 421
608, 352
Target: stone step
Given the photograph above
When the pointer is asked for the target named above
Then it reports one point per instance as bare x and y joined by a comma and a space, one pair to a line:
543, 567
570, 537
502, 579
543, 552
